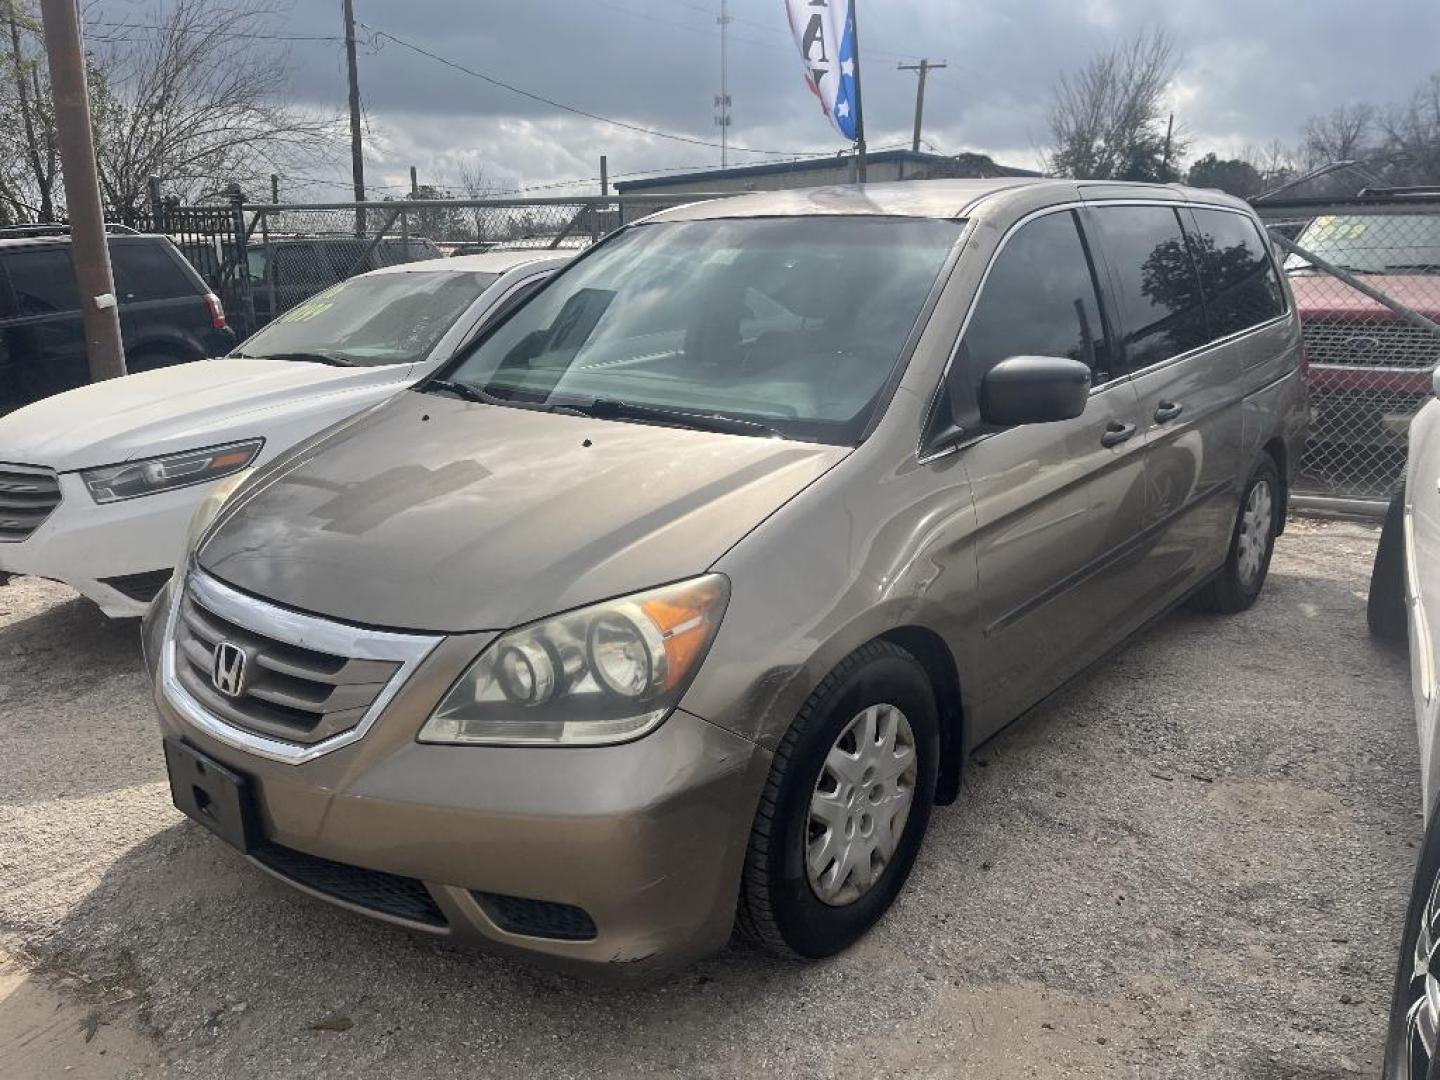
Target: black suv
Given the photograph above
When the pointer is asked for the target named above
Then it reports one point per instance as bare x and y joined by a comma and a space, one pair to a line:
167, 313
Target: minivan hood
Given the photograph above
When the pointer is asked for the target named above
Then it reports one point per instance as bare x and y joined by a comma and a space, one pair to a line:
439, 515
171, 409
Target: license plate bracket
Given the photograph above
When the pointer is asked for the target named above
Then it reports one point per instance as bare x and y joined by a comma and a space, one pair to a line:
217, 797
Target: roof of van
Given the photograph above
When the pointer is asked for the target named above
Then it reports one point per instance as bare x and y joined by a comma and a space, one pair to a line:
917, 198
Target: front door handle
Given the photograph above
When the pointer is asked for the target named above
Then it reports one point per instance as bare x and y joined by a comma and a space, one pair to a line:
1116, 433
1167, 411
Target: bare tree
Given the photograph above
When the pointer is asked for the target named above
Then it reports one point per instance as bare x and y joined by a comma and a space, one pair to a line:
1346, 133
1275, 162
472, 183
1108, 120
29, 153
1411, 136
196, 103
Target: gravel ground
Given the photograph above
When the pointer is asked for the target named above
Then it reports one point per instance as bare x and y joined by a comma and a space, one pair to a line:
1191, 863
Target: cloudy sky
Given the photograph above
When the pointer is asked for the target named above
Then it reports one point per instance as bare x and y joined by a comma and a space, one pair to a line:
1253, 71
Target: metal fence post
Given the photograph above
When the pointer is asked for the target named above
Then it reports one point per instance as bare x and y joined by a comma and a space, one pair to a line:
242, 275
157, 205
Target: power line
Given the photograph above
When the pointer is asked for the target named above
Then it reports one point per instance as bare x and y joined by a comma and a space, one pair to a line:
126, 25
379, 34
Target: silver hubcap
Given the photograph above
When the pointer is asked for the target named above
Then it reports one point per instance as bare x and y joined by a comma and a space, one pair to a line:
1256, 521
860, 805
1422, 1019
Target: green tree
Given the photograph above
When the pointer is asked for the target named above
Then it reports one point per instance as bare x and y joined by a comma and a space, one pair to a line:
1230, 175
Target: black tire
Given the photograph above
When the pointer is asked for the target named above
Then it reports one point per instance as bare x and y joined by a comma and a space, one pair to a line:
778, 908
1386, 609
1427, 869
1230, 591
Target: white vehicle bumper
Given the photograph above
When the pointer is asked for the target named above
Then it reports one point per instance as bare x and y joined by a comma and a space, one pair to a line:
88, 546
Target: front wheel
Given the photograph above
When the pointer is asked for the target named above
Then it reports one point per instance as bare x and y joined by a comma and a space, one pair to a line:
845, 807
1410, 1043
1252, 543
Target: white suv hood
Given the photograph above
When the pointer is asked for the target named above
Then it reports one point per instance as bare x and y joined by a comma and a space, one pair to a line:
180, 408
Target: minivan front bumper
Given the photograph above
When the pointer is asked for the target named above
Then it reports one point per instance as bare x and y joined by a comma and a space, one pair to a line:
640, 845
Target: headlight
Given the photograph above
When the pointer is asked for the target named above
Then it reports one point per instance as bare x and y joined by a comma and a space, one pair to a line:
602, 674
153, 475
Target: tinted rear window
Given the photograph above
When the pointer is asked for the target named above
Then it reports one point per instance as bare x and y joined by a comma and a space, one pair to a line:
43, 280
147, 271
1241, 285
1160, 296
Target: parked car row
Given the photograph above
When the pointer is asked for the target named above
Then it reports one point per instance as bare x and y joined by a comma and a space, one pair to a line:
587, 610
586, 619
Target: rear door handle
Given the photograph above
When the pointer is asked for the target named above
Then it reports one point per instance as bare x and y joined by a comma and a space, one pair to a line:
1167, 411
1116, 433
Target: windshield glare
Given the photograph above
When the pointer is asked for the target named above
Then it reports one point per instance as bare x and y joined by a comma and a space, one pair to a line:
374, 320
1373, 243
793, 323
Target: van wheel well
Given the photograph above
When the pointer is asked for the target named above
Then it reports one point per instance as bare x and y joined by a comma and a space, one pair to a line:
1278, 453
934, 655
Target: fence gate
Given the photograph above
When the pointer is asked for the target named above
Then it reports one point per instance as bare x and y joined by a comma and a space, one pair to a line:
1366, 277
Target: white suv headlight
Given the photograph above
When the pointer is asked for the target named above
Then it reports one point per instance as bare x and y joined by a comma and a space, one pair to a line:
153, 475
602, 674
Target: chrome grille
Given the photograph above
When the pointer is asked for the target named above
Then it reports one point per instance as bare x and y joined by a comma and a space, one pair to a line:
308, 684
1390, 343
27, 497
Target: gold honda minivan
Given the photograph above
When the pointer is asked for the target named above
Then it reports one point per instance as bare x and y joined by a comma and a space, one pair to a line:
678, 600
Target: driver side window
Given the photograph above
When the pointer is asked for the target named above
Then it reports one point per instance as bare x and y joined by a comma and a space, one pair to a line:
1039, 300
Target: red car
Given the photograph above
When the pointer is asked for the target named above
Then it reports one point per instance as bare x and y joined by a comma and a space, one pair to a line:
1369, 368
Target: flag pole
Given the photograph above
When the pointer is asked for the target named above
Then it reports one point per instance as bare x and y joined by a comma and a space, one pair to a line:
859, 103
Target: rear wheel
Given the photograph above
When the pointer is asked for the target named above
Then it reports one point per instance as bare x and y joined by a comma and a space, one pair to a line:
1252, 542
845, 807
1385, 611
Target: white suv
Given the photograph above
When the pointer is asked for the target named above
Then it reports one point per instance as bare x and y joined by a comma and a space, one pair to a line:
98, 484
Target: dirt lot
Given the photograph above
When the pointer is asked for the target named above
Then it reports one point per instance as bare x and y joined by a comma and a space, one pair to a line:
1193, 863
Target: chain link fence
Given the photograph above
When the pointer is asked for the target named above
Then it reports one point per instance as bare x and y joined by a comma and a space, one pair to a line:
262, 259
1366, 277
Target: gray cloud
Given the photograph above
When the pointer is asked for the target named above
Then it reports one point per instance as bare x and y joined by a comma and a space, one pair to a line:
1253, 71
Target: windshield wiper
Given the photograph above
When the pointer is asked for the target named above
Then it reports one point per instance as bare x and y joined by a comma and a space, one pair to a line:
333, 359
615, 409
460, 390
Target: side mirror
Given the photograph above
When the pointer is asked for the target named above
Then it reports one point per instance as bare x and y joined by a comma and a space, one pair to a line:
1034, 390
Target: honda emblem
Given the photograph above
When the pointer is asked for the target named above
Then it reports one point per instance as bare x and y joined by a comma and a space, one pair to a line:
227, 669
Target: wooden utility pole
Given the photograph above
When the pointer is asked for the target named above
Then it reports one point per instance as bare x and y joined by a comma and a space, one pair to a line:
922, 69
88, 247
357, 155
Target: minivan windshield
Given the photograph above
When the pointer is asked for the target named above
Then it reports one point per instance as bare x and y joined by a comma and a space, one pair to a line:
1372, 243
751, 325
373, 320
